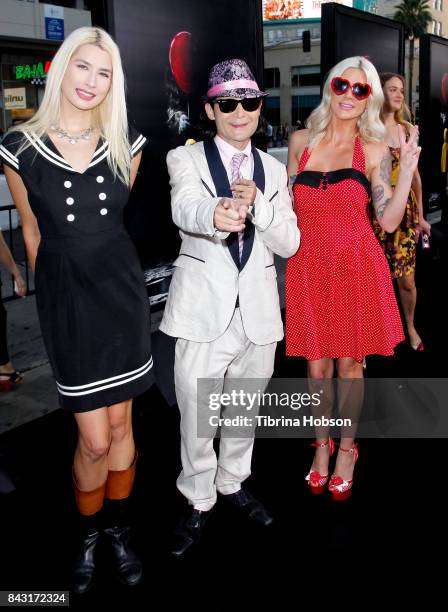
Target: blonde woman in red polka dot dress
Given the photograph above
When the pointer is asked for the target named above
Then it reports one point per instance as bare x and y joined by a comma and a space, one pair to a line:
340, 303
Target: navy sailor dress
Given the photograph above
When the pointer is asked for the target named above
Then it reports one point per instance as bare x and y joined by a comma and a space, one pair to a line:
90, 293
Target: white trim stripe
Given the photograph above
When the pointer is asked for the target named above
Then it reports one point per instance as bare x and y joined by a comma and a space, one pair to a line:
42, 148
138, 144
13, 157
42, 152
49, 151
136, 141
115, 384
98, 151
93, 163
53, 161
7, 156
105, 380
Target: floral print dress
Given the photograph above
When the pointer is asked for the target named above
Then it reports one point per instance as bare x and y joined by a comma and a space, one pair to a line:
400, 246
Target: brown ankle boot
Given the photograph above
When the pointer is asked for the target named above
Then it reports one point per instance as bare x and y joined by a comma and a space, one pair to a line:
118, 489
89, 504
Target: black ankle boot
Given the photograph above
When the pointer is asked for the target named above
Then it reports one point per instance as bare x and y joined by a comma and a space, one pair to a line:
118, 533
85, 562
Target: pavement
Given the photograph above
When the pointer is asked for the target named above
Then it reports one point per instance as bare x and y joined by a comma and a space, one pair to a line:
36, 395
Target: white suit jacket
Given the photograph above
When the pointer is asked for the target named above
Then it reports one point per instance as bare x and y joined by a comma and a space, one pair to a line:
208, 277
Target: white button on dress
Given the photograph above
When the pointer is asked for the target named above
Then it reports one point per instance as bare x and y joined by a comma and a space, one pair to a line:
103, 211
67, 184
100, 179
102, 196
70, 201
70, 217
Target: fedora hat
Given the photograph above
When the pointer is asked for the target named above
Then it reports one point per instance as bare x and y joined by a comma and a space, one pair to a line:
234, 79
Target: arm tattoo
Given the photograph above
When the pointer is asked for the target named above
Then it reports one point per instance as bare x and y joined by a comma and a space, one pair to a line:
378, 190
292, 179
377, 197
381, 208
377, 193
386, 168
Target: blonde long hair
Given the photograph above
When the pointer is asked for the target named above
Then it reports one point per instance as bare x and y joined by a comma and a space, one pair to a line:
110, 117
370, 126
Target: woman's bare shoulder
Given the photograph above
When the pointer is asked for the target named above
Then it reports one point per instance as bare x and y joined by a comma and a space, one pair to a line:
298, 140
299, 137
375, 152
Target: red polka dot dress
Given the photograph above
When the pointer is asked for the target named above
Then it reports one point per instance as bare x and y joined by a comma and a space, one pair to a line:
340, 300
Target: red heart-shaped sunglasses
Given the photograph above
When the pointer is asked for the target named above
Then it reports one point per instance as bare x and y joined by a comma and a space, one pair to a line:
360, 91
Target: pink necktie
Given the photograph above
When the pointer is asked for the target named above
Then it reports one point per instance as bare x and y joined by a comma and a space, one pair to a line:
237, 160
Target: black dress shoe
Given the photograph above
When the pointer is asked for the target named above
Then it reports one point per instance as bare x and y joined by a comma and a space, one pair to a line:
246, 503
85, 562
189, 531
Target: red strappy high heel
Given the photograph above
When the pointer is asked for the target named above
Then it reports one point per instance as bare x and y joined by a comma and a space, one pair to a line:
316, 481
342, 489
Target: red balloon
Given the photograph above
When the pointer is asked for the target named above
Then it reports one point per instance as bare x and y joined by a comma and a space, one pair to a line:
180, 60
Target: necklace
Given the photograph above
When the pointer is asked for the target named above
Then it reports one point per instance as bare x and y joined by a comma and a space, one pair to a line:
84, 135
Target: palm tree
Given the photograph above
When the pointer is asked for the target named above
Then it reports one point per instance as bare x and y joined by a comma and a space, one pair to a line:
415, 17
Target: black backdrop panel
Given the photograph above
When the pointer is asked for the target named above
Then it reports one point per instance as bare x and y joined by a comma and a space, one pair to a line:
433, 115
144, 30
347, 32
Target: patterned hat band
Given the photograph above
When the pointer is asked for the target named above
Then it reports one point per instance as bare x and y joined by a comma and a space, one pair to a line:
222, 88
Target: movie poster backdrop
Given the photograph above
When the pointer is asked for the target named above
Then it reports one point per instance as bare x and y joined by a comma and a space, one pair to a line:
168, 49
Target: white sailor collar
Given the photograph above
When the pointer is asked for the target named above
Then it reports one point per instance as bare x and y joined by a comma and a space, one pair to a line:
50, 152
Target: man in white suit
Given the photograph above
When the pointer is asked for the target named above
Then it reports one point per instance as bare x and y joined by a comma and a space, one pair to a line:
232, 206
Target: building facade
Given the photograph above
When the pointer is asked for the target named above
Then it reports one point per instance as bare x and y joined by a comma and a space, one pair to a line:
292, 74
30, 34
437, 8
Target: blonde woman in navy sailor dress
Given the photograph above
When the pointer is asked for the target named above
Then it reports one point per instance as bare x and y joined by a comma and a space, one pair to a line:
70, 170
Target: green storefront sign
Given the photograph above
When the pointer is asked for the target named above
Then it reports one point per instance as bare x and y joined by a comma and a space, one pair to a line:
32, 71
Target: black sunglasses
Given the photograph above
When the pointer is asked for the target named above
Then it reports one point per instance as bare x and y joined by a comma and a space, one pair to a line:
228, 105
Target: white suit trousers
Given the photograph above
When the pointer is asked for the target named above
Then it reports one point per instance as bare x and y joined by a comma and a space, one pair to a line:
230, 356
